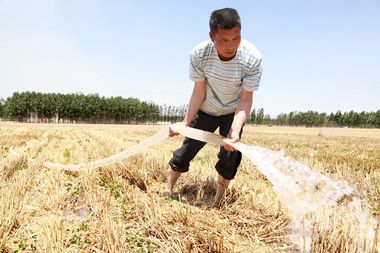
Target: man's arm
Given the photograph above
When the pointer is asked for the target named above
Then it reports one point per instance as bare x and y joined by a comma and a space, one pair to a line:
242, 112
196, 100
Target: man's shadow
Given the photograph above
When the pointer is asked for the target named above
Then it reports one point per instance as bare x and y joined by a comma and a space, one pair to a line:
201, 194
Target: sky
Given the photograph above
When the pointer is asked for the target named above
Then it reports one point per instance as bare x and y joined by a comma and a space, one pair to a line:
317, 55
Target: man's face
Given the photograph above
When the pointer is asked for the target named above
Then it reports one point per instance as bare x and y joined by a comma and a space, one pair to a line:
226, 42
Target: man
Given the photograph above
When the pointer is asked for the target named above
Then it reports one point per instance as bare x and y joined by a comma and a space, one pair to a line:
226, 70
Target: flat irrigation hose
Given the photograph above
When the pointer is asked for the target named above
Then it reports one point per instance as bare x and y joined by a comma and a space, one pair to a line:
154, 139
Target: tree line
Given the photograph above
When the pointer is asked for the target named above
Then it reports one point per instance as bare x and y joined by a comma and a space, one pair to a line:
80, 108
316, 119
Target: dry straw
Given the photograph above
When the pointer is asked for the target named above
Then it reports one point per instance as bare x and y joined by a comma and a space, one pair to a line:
120, 208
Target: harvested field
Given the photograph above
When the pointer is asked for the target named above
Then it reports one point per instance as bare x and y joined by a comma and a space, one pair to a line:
121, 208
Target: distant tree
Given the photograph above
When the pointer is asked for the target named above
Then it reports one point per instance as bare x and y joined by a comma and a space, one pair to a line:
17, 107
2, 105
330, 120
267, 119
292, 119
321, 119
375, 119
252, 117
281, 119
260, 116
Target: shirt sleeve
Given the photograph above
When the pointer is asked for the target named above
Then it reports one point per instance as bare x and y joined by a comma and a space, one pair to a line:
251, 81
196, 68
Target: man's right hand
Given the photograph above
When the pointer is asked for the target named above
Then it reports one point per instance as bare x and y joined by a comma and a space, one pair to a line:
172, 132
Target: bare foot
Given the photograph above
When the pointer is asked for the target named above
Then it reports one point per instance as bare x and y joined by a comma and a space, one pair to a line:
216, 204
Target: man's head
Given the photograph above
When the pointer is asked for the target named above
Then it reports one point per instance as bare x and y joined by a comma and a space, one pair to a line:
225, 29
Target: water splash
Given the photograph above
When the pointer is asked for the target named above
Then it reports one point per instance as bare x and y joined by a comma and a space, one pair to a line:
311, 197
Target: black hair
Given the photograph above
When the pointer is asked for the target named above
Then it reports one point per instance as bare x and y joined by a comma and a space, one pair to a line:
224, 18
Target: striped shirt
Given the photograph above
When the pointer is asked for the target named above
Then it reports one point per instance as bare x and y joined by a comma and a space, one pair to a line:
225, 79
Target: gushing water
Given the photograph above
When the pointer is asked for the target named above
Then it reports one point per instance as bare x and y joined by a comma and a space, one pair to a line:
311, 197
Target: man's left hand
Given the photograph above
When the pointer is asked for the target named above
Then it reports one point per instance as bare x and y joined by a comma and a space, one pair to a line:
232, 137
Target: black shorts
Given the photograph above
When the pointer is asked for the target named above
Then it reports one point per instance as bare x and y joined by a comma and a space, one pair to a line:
228, 161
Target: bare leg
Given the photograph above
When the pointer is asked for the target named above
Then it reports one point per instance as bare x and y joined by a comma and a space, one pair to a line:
221, 188
172, 179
